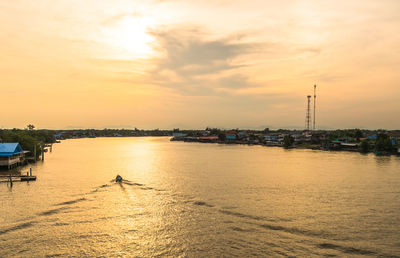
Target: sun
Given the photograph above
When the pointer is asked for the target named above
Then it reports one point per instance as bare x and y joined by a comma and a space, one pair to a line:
128, 38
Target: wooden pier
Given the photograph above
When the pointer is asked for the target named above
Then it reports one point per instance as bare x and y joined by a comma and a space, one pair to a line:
11, 178
4, 178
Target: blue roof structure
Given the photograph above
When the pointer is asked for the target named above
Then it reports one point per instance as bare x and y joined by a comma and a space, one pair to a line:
231, 137
9, 149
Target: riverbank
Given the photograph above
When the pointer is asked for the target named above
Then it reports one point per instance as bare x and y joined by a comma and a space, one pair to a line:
378, 141
325, 146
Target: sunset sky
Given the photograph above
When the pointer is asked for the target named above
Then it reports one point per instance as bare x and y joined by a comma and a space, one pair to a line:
192, 64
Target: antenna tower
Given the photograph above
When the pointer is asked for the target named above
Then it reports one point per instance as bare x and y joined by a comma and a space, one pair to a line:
308, 114
315, 97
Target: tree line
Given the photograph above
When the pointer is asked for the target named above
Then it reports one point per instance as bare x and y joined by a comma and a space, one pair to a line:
28, 138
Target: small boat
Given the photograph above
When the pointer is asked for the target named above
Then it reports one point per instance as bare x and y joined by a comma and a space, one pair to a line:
118, 179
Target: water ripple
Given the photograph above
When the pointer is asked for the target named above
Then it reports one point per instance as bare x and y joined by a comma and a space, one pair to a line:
201, 203
71, 202
346, 249
17, 227
52, 211
253, 217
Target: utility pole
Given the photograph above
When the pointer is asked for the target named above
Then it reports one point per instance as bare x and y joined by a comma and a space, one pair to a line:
43, 152
34, 152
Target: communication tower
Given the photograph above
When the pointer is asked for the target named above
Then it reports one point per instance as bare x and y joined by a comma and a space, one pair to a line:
308, 114
315, 97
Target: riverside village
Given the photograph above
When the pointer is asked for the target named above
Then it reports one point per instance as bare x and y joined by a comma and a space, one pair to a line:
21, 146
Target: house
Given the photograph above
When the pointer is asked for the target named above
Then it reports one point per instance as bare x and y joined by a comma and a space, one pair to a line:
230, 137
395, 137
208, 139
242, 134
349, 146
11, 154
271, 138
178, 134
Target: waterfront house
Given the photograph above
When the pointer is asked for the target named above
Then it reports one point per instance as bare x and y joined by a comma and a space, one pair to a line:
11, 154
395, 137
204, 133
208, 139
230, 137
234, 132
271, 138
394, 134
59, 136
349, 146
178, 134
298, 137
242, 134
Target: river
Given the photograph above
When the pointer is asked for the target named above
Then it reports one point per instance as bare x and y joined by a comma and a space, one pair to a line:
194, 199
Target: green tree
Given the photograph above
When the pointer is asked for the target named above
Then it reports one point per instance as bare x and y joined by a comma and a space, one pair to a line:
288, 141
214, 131
26, 141
383, 143
30, 127
358, 134
365, 146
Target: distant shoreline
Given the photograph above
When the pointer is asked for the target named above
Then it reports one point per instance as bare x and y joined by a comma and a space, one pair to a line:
299, 146
308, 146
380, 142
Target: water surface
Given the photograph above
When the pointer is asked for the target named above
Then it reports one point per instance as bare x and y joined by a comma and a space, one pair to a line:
193, 199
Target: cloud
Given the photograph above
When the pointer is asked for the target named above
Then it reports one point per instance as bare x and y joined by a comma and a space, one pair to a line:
112, 20
310, 50
194, 64
235, 81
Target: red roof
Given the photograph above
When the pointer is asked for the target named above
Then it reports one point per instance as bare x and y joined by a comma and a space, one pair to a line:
394, 134
208, 138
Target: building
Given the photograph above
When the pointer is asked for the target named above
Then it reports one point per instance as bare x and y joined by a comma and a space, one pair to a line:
208, 139
243, 134
178, 134
271, 138
230, 137
395, 137
11, 154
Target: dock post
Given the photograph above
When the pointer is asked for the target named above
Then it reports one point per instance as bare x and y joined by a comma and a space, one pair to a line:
42, 152
51, 147
34, 153
30, 171
11, 182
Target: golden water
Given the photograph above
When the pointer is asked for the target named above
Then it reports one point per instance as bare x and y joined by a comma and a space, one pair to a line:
193, 199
